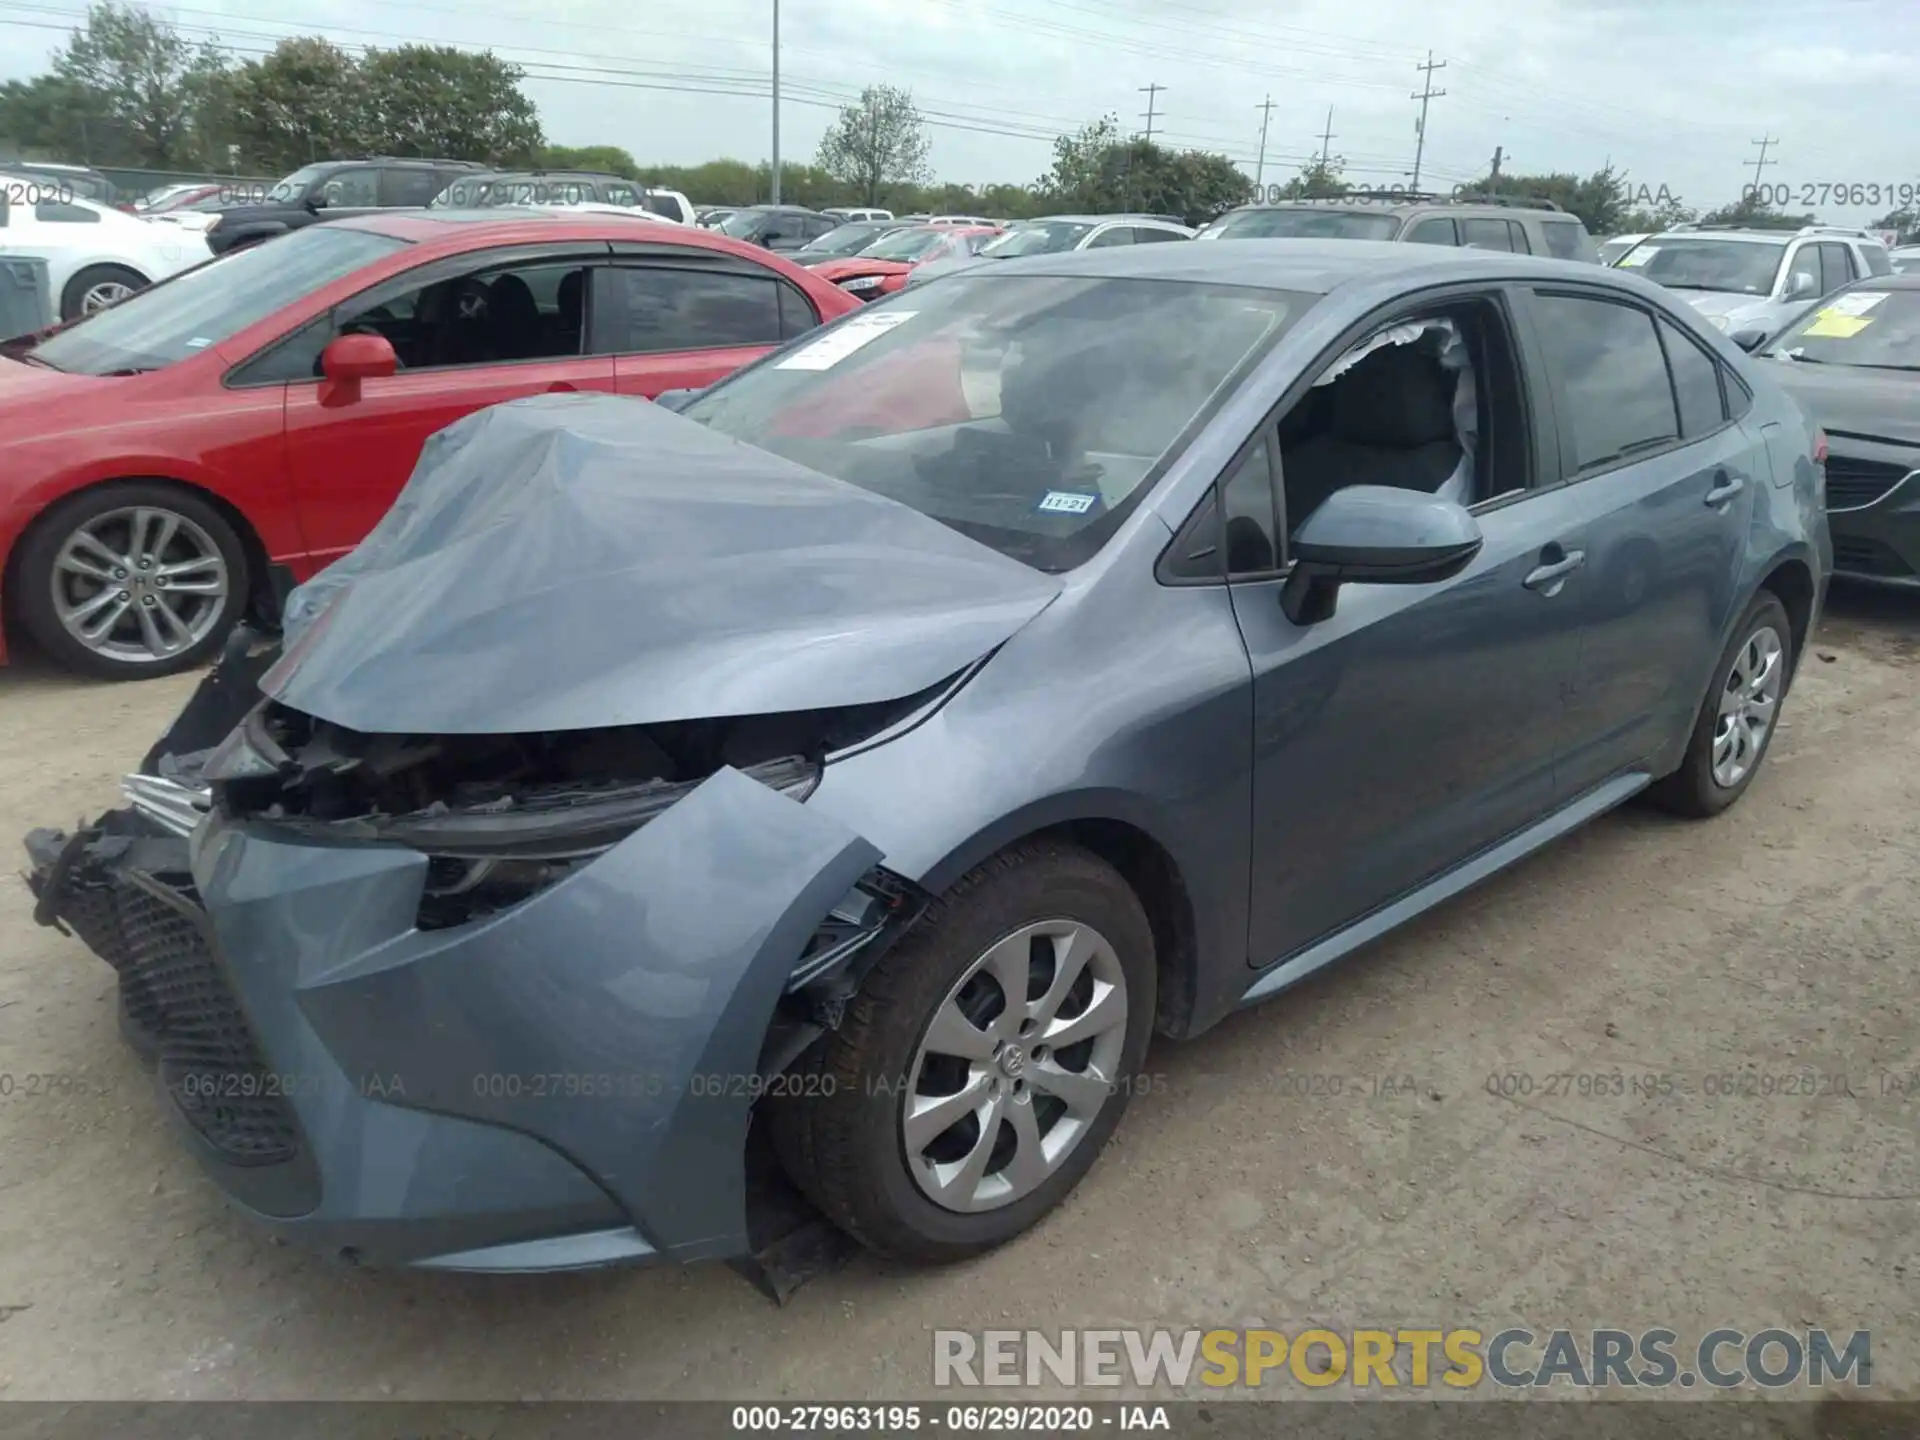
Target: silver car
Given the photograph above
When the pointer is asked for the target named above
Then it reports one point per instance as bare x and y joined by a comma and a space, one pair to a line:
1751, 283
1059, 235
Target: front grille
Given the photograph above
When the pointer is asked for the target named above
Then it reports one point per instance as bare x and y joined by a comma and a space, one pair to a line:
1858, 555
1852, 482
175, 989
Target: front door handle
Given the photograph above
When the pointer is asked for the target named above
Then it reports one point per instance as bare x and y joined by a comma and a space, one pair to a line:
1725, 487
1547, 579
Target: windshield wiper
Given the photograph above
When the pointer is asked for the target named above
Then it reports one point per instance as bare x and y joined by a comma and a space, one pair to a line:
29, 358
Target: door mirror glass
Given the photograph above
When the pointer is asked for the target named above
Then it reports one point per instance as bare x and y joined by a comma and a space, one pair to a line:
358, 357
1802, 283
1378, 535
1748, 340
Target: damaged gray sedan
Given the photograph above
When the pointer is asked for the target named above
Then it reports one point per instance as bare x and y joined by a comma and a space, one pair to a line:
838, 782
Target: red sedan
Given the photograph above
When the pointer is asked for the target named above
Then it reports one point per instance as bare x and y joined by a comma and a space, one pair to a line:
881, 269
220, 436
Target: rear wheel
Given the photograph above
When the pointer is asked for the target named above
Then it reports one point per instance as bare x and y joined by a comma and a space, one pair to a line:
131, 580
97, 287
984, 1063
1738, 717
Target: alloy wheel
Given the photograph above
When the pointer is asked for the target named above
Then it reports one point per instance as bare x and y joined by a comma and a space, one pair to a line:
139, 584
1748, 704
1016, 1064
107, 292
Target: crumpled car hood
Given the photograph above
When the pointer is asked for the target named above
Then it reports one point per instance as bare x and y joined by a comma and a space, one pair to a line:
575, 561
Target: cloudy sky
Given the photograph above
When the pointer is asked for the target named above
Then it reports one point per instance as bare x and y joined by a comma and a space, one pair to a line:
1673, 92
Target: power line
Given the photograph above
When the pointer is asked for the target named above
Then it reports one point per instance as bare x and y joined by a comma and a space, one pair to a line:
1425, 94
1762, 163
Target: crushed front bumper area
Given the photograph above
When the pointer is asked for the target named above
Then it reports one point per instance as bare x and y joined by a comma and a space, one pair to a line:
566, 1083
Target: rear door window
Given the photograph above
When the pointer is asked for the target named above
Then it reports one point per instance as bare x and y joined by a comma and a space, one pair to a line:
1696, 382
408, 186
1486, 234
1836, 267
1434, 230
1609, 377
650, 309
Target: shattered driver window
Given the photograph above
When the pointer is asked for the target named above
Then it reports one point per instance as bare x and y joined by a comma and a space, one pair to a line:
1029, 412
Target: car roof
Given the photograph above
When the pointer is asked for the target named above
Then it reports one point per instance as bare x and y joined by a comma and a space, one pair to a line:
1315, 267
1400, 208
507, 224
1898, 280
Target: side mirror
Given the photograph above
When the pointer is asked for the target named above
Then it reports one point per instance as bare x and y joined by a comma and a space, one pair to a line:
349, 359
1748, 340
317, 200
1377, 535
1801, 284
675, 399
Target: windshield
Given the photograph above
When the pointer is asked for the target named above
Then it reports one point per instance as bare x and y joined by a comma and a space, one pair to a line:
906, 245
1029, 412
1305, 225
1039, 237
1737, 267
295, 185
1612, 250
743, 224
210, 303
1878, 328
845, 239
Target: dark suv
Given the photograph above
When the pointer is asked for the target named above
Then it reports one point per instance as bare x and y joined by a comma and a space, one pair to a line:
331, 189
778, 227
485, 188
1476, 222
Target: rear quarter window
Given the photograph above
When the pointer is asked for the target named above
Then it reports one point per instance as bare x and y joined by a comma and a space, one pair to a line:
1568, 240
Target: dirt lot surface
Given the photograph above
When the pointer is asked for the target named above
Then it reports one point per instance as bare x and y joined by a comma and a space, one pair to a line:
1779, 941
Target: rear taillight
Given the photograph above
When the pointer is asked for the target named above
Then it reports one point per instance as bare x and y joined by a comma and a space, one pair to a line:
1819, 447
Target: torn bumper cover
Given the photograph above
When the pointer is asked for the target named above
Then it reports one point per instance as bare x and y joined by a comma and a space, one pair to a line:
565, 1083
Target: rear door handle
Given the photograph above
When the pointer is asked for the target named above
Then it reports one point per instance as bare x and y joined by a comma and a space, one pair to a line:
1725, 487
1548, 578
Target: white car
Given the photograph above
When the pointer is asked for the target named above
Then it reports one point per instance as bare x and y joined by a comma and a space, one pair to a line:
606, 207
95, 254
855, 213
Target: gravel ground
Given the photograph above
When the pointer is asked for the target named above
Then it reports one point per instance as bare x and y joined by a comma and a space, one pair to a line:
1775, 941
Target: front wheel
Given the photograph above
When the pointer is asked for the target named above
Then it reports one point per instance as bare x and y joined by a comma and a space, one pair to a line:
1738, 717
97, 287
131, 580
984, 1062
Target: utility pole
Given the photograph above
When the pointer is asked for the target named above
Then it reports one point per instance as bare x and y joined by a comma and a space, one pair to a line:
1152, 92
1425, 94
1260, 168
776, 102
1493, 177
1326, 142
1762, 163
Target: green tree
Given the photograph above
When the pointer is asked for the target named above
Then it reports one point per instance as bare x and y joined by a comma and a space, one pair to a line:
436, 100
607, 159
1904, 222
145, 81
875, 145
306, 101
50, 115
1753, 213
1319, 179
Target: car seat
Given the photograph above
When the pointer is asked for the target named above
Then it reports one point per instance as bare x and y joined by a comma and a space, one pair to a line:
1389, 422
513, 319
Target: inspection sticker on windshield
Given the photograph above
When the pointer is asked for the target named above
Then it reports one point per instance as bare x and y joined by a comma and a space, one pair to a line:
1831, 324
1858, 302
1067, 502
1637, 257
830, 349
199, 342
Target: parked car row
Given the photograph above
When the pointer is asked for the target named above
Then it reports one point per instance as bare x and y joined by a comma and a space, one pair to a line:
734, 758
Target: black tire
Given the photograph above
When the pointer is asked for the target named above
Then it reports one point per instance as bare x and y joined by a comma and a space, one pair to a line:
73, 298
1691, 790
840, 1138
31, 576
